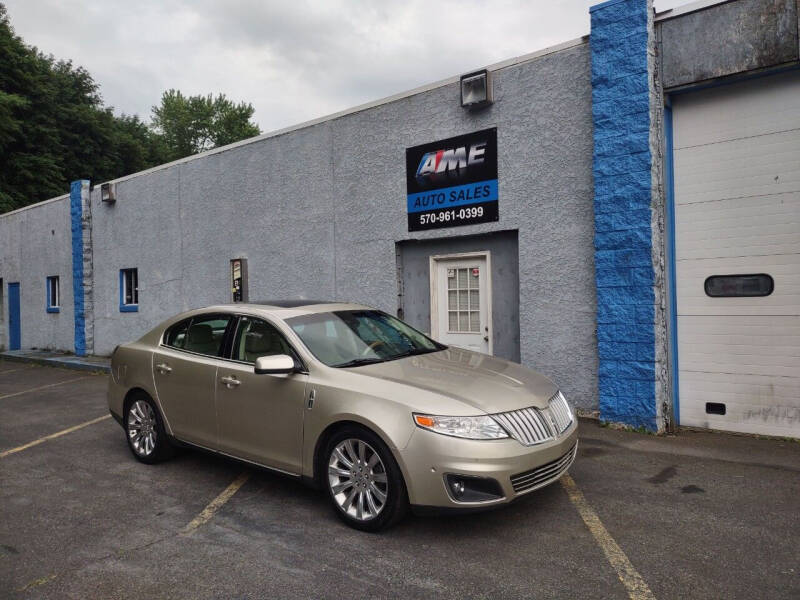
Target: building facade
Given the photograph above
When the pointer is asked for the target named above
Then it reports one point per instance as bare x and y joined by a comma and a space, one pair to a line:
631, 227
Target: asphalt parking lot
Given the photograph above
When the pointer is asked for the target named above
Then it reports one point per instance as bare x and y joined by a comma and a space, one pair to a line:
697, 515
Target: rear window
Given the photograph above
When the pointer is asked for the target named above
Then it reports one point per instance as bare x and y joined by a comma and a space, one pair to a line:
203, 334
739, 286
175, 337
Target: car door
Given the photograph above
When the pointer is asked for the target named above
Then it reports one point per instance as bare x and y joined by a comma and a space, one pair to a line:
260, 416
185, 372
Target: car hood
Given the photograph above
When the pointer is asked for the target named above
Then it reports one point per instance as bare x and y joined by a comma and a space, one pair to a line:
485, 383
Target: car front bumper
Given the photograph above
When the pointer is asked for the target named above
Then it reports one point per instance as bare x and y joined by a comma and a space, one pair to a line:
429, 457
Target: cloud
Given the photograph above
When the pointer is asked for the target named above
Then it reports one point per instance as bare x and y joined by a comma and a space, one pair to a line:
294, 61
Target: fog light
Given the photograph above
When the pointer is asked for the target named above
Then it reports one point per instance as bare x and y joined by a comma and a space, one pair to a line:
466, 488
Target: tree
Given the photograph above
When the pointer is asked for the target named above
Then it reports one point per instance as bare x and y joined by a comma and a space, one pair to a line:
55, 129
192, 124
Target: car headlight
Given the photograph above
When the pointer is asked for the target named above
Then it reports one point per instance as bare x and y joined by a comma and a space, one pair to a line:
473, 428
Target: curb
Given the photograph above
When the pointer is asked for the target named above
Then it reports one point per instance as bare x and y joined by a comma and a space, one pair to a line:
64, 363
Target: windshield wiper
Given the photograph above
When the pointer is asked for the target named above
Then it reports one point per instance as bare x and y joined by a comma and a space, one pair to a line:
413, 352
357, 362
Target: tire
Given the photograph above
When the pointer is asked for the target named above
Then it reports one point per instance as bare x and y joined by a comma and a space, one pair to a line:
362, 479
144, 430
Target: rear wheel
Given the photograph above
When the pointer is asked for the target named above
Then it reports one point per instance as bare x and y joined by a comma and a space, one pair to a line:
363, 480
147, 438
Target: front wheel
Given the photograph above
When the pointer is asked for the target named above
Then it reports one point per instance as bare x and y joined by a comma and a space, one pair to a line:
363, 480
147, 438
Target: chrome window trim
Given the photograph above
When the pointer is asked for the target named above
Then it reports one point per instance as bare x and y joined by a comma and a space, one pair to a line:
161, 343
237, 316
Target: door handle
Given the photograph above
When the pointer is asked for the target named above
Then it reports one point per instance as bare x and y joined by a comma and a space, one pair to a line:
230, 382
163, 368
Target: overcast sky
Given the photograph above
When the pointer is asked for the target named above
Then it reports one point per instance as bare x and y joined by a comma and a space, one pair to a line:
293, 60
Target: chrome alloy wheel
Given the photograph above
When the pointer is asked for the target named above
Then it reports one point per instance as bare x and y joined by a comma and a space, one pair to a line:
142, 427
357, 479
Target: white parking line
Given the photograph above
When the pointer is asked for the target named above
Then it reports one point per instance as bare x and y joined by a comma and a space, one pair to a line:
630, 578
53, 436
44, 387
217, 503
3, 372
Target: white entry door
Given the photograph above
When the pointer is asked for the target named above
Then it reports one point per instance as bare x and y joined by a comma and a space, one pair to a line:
461, 294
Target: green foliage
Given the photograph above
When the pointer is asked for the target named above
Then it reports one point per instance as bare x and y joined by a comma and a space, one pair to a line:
54, 127
192, 124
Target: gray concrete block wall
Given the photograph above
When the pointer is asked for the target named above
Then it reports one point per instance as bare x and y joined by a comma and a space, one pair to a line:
35, 243
542, 112
318, 210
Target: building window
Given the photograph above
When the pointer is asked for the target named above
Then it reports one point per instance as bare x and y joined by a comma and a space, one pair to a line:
739, 286
53, 295
129, 290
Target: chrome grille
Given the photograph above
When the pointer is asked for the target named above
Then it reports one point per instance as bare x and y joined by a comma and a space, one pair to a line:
540, 476
560, 412
527, 425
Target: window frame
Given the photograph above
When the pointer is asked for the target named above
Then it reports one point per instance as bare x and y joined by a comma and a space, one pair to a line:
163, 342
123, 305
53, 284
298, 360
224, 347
439, 346
733, 275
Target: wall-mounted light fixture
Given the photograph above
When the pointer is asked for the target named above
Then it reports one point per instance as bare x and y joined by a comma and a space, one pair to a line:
107, 193
476, 89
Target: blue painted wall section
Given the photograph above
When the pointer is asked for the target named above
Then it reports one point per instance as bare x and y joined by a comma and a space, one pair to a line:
76, 222
622, 188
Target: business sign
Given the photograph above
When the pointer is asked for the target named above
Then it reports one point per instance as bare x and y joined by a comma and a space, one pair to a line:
452, 182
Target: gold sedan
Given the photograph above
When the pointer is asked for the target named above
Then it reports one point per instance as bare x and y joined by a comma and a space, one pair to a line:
348, 398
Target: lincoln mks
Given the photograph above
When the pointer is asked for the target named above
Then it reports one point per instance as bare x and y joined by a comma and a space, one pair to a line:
347, 398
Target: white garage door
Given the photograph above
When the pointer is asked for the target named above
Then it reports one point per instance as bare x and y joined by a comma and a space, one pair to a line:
737, 212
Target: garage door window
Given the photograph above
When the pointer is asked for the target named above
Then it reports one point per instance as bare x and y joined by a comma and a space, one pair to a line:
739, 286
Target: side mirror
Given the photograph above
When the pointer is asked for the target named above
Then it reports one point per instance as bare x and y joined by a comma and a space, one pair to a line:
277, 364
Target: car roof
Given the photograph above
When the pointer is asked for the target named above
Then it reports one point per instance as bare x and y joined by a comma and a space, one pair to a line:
289, 308
292, 303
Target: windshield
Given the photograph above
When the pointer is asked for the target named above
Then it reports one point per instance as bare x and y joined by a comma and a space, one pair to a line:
348, 338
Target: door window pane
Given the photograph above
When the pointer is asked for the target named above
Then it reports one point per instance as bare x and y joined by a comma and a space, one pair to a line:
452, 320
474, 278
206, 333
475, 322
474, 300
462, 279
256, 338
463, 300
